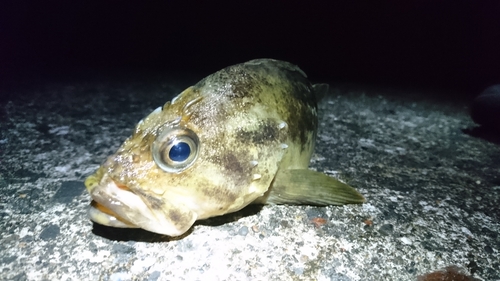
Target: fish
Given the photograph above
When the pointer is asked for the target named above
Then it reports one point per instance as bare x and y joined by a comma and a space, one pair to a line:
243, 135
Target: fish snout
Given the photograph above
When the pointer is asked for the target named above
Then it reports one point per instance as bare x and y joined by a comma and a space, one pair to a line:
117, 205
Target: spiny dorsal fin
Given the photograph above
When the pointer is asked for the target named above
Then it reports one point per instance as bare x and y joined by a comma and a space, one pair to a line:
306, 187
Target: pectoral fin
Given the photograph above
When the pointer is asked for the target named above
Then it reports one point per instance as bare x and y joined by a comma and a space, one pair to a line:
306, 187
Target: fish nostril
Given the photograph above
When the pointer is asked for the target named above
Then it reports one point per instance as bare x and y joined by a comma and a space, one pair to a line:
136, 158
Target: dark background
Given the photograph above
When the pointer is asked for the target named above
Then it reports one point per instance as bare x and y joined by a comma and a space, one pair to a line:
448, 45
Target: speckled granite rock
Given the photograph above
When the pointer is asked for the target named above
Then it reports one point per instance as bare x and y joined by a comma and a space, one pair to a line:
433, 195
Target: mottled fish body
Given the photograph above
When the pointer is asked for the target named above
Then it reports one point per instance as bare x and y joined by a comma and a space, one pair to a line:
242, 135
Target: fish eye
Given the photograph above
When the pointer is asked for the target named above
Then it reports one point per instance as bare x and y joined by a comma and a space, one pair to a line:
175, 149
179, 152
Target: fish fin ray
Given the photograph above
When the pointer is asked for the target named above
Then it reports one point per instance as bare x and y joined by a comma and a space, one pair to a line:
307, 187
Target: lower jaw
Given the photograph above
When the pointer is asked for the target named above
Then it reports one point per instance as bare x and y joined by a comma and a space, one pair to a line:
102, 215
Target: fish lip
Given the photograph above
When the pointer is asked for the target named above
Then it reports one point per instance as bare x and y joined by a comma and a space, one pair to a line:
98, 213
124, 208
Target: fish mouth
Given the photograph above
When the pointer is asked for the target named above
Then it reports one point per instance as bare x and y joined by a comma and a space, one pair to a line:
100, 214
117, 206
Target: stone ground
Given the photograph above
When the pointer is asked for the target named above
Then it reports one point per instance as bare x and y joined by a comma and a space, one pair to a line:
432, 188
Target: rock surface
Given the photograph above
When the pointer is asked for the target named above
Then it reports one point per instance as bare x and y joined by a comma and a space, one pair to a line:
433, 194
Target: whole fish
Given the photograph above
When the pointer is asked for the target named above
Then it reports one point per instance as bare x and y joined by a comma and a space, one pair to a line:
242, 135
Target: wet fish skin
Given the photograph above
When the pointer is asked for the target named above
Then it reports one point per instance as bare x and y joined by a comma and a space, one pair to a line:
250, 131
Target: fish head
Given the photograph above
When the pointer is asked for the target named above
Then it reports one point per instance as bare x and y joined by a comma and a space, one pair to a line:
203, 154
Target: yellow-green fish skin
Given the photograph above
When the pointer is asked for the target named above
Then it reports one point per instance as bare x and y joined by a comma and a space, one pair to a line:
247, 122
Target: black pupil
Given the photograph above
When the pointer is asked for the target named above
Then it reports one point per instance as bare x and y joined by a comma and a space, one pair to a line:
179, 152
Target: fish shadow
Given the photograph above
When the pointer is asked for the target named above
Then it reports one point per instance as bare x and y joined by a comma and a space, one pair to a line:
141, 235
133, 234
249, 210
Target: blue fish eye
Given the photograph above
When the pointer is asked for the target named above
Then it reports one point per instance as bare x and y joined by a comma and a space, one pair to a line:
175, 149
179, 152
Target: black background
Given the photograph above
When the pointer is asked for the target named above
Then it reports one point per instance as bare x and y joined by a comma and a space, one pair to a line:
450, 45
